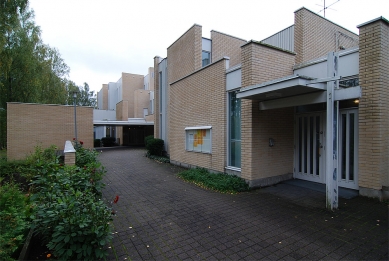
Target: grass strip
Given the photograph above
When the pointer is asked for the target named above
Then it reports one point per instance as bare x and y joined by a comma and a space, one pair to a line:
220, 182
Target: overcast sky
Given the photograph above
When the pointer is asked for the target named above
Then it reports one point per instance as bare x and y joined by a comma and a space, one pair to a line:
100, 39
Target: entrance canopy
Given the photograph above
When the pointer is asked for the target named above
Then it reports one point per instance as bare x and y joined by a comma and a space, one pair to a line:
131, 121
295, 90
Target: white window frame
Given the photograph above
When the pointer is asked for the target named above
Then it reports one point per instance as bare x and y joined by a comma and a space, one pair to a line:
188, 130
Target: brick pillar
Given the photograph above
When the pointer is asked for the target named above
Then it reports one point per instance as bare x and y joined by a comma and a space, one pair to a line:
70, 153
260, 164
374, 108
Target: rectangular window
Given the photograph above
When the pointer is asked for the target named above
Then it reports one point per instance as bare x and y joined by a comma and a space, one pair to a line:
160, 92
198, 139
151, 106
234, 131
206, 58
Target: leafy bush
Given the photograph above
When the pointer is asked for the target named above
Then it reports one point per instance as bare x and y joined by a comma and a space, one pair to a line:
219, 182
13, 219
69, 213
85, 156
43, 155
148, 138
108, 141
97, 143
9, 168
155, 147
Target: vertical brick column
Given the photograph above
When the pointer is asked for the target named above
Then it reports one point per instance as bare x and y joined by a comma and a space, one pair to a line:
261, 63
374, 108
70, 153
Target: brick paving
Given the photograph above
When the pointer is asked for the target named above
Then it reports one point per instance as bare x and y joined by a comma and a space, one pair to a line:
161, 217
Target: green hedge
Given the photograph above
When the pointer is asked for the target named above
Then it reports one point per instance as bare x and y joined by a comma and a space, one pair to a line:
97, 143
148, 138
108, 141
219, 182
155, 147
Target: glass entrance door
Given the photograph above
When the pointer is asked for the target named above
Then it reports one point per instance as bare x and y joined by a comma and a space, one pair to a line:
348, 149
309, 153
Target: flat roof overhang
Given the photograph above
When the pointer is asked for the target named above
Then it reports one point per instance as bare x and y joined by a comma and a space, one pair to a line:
123, 123
295, 90
285, 87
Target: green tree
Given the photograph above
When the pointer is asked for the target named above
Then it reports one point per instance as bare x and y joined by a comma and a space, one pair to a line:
85, 97
30, 71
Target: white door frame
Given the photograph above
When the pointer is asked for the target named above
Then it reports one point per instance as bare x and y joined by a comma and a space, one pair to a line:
344, 178
304, 171
345, 183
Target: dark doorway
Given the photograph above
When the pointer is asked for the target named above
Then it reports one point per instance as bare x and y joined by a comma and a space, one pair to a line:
134, 135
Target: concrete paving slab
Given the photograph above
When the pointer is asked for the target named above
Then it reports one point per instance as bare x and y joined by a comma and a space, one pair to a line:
161, 217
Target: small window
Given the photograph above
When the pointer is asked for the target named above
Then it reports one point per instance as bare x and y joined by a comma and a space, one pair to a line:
206, 58
198, 139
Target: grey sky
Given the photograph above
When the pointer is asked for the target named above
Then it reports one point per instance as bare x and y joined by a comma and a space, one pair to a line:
100, 39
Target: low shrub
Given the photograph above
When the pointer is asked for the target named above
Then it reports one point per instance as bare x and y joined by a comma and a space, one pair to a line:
69, 213
43, 155
159, 158
108, 141
96, 143
14, 224
85, 156
219, 182
148, 138
9, 168
155, 147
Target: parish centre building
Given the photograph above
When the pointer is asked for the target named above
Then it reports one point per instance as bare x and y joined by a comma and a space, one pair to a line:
309, 102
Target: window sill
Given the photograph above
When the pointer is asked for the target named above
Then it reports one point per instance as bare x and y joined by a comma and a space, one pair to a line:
233, 168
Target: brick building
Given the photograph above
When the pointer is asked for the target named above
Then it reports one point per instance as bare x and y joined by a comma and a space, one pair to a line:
125, 109
309, 102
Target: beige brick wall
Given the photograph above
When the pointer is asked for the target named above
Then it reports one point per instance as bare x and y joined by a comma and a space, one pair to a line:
199, 100
374, 105
315, 36
150, 72
104, 93
29, 125
141, 101
105, 96
70, 158
184, 55
119, 134
150, 118
260, 64
130, 83
226, 45
122, 111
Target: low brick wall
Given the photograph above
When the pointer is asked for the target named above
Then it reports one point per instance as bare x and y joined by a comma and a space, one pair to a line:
30, 125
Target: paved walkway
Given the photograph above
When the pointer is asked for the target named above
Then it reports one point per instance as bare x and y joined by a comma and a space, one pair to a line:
161, 217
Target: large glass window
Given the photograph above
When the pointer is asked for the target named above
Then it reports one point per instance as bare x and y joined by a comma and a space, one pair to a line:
206, 58
234, 131
198, 139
